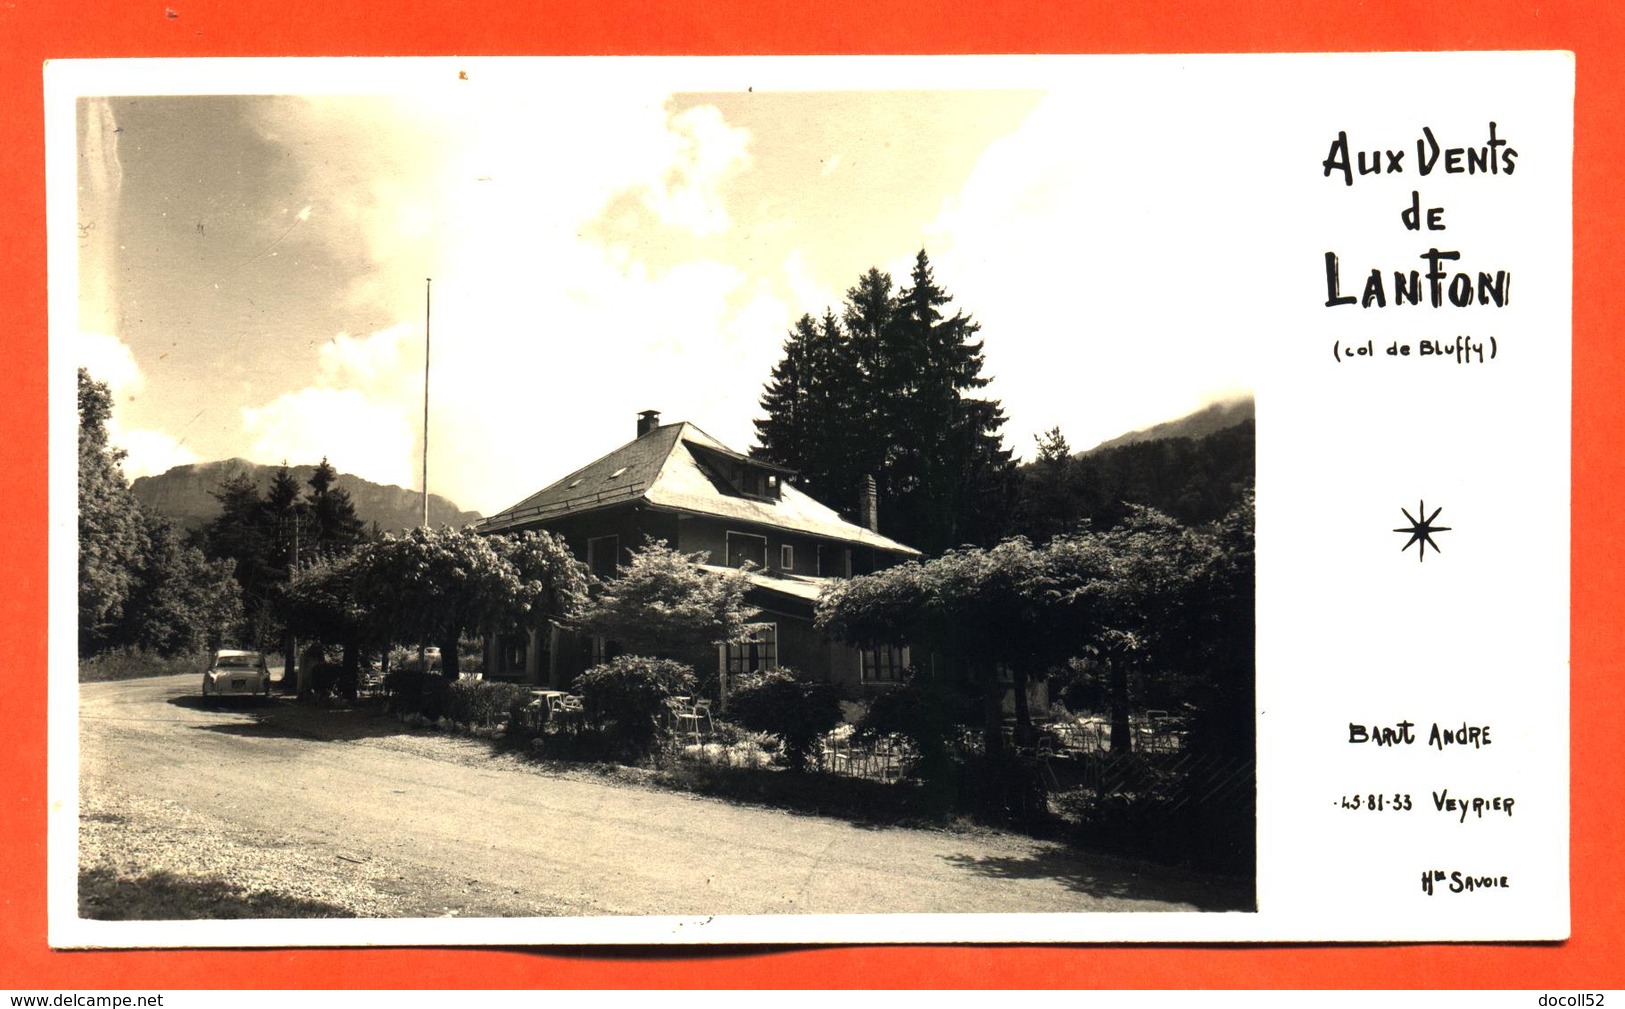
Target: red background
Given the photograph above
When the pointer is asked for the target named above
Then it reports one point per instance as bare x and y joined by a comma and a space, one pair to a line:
32, 31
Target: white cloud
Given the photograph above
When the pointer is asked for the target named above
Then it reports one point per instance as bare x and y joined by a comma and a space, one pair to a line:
356, 433
148, 453
110, 361
1088, 244
543, 331
705, 152
358, 413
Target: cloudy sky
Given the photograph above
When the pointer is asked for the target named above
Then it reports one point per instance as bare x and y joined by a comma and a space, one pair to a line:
252, 268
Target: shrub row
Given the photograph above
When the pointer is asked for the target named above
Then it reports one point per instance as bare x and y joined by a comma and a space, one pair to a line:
474, 703
132, 663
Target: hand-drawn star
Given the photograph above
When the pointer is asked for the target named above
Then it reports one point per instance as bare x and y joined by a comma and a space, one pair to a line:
1422, 530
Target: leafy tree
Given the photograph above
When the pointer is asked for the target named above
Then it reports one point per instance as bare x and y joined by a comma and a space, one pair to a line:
186, 602
889, 607
552, 583
1129, 591
664, 603
140, 584
1164, 610
110, 529
796, 710
986, 618
321, 603
1221, 626
985, 614
434, 585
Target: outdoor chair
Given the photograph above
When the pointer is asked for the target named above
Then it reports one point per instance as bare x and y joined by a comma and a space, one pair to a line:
686, 720
1044, 750
837, 759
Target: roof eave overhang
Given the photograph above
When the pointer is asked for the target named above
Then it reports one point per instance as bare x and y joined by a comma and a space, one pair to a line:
540, 521
853, 541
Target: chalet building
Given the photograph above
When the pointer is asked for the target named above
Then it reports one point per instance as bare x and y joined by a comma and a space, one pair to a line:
676, 483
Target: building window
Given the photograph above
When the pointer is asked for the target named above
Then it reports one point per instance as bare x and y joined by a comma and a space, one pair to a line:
885, 664
787, 558
604, 556
832, 562
744, 547
514, 649
758, 654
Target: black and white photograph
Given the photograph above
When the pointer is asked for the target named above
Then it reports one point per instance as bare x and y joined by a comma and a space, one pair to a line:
690, 501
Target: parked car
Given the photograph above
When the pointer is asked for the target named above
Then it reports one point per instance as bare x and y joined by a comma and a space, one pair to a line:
234, 673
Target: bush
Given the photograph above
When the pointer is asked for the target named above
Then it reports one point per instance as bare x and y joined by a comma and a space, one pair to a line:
627, 697
931, 716
131, 663
797, 711
478, 703
414, 692
474, 703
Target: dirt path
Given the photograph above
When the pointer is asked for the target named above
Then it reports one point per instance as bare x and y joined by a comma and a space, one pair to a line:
358, 812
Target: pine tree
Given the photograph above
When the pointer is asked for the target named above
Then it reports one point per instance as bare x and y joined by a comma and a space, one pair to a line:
1047, 502
287, 520
818, 417
883, 393
785, 436
336, 529
951, 476
242, 534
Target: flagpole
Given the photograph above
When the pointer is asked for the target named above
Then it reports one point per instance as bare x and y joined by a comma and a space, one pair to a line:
426, 304
423, 644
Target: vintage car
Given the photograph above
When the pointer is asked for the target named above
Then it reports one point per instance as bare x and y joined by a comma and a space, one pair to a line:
234, 673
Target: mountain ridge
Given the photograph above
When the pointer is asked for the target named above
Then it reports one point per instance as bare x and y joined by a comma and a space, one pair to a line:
183, 494
1196, 424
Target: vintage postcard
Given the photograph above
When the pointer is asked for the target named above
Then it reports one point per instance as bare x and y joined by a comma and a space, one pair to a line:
809, 500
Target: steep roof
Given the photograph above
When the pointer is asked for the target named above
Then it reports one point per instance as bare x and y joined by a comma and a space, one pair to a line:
667, 468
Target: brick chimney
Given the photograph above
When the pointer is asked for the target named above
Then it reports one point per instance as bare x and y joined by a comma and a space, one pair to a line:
648, 420
869, 505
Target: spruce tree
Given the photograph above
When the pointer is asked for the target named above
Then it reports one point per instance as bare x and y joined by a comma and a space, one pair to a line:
885, 392
336, 529
786, 435
242, 533
950, 475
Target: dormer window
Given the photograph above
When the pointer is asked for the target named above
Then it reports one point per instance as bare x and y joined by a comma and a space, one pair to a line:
759, 483
617, 473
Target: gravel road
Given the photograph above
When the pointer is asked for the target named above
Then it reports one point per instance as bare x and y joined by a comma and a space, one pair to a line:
359, 813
